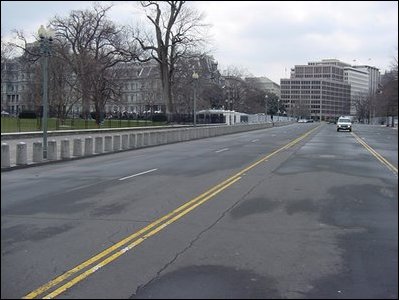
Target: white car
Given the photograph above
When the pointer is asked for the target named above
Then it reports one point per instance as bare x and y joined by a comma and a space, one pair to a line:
344, 123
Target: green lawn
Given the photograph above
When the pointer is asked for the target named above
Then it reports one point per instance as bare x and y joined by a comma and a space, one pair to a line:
9, 124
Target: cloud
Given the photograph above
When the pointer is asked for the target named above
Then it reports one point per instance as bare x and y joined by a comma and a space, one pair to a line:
264, 37
271, 35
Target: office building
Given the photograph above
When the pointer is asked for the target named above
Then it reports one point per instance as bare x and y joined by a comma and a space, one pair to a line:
317, 90
359, 82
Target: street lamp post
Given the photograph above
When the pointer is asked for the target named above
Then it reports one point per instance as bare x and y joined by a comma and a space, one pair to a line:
195, 77
278, 110
46, 38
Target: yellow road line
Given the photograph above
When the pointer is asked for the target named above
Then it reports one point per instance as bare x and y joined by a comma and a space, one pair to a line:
134, 244
377, 155
107, 251
190, 204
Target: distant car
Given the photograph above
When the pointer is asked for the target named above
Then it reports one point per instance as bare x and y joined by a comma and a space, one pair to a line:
4, 113
309, 121
344, 123
302, 121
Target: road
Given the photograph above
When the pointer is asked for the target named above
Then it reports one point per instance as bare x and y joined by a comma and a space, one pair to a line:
299, 211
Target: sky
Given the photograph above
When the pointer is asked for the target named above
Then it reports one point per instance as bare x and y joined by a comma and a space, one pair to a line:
264, 38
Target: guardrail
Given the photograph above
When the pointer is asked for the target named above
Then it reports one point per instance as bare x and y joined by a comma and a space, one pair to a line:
108, 143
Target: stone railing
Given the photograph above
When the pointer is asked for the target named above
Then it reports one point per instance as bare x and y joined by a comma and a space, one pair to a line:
106, 142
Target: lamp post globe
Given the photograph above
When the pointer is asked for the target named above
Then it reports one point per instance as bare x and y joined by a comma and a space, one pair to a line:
195, 77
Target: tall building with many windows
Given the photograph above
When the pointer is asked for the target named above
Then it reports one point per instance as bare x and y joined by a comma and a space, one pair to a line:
359, 82
317, 90
374, 77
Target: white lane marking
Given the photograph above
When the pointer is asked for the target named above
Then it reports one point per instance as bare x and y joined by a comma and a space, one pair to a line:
138, 174
253, 141
221, 150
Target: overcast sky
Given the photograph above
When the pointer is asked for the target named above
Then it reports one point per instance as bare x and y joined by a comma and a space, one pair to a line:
264, 38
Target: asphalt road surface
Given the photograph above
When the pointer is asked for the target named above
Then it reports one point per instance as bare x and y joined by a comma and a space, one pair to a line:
299, 211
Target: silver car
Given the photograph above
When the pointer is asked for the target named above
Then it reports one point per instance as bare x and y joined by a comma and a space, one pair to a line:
344, 123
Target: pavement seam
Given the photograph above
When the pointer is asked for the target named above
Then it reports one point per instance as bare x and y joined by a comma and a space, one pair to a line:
193, 241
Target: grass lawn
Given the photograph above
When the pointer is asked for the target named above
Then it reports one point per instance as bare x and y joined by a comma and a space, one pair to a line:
10, 124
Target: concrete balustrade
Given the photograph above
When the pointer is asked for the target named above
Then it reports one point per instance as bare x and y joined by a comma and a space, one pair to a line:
65, 150
98, 144
22, 154
88, 146
52, 150
165, 139
146, 139
153, 138
5, 155
108, 143
117, 142
132, 140
159, 138
164, 136
125, 141
139, 140
77, 147
37, 155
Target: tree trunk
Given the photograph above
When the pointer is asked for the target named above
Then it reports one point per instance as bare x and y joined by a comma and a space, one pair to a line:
166, 91
85, 100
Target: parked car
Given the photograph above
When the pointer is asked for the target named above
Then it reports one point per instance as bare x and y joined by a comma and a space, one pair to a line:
302, 121
344, 123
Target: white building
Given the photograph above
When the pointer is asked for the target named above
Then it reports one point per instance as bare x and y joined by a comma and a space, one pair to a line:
359, 82
374, 77
265, 84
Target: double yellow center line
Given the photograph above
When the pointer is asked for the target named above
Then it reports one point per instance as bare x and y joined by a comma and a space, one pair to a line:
103, 258
377, 155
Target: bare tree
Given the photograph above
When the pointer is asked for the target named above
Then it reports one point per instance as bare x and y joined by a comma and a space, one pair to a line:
298, 109
62, 82
177, 33
394, 65
96, 46
7, 51
184, 84
242, 95
388, 99
254, 100
235, 93
362, 104
236, 71
88, 47
63, 94
387, 96
27, 67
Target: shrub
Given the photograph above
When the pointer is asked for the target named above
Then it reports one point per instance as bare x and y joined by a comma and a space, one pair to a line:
159, 118
27, 115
